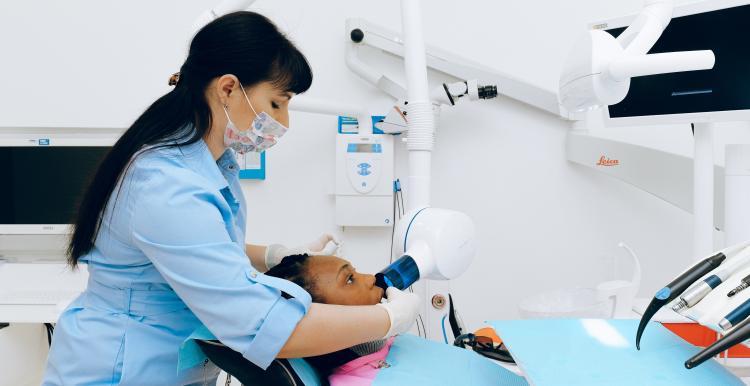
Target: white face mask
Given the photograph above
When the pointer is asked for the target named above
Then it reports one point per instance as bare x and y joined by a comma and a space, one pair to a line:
263, 132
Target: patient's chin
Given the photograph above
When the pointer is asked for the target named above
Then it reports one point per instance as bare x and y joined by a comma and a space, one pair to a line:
378, 295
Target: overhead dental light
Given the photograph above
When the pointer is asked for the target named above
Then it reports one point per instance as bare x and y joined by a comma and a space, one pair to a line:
599, 68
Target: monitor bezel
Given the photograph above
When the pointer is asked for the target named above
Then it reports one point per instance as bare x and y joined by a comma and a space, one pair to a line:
665, 119
55, 137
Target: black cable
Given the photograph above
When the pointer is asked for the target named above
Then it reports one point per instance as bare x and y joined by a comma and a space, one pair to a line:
393, 227
416, 321
419, 318
453, 318
401, 196
398, 205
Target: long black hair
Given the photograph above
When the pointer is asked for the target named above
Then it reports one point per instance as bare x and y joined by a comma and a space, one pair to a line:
244, 44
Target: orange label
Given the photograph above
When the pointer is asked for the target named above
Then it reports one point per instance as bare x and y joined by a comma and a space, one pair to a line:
604, 161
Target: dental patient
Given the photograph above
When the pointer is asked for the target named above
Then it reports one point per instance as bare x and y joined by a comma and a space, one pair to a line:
332, 280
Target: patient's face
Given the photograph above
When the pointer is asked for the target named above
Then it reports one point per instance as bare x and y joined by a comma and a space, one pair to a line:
337, 282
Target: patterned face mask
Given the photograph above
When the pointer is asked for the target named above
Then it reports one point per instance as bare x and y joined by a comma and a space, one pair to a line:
263, 132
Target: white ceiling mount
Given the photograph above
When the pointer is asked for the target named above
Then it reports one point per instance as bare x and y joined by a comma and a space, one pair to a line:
361, 33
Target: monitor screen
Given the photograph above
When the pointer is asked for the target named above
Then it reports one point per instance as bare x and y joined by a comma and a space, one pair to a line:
43, 185
726, 87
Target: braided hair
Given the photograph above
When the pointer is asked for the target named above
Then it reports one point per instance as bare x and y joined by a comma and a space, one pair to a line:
294, 269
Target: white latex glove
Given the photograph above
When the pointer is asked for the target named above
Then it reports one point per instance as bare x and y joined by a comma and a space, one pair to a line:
402, 308
326, 244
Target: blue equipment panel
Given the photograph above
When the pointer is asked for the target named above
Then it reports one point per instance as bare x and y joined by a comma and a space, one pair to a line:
348, 125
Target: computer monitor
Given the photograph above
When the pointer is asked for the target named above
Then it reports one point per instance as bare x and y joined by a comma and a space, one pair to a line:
717, 95
43, 175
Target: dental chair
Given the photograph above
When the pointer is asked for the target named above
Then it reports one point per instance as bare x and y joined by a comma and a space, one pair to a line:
298, 372
280, 372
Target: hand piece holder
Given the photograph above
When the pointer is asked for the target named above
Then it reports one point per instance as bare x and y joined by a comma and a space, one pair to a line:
701, 294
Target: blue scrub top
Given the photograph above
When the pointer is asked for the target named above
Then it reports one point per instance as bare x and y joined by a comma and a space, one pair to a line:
170, 257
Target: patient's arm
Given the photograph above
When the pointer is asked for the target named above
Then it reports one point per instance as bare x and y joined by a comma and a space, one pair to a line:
327, 328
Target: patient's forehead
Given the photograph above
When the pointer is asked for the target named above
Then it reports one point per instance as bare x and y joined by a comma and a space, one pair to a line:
326, 263
324, 269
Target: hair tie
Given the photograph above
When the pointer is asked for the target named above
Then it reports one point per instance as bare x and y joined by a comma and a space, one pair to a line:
174, 79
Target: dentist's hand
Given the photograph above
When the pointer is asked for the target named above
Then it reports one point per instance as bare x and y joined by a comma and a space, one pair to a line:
402, 308
326, 244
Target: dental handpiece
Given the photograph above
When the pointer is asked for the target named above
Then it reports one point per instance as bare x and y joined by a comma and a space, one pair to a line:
745, 283
699, 291
696, 293
736, 336
737, 315
675, 288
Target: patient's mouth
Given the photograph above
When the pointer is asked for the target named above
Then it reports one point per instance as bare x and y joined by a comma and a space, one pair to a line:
380, 291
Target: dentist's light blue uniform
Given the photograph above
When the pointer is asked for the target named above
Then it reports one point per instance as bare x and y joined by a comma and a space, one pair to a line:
170, 256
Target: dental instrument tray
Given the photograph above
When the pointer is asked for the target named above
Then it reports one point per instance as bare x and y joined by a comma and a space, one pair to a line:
702, 294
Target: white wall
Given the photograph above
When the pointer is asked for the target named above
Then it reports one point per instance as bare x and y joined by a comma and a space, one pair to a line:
542, 223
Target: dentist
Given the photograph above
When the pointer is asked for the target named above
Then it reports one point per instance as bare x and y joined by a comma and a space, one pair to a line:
162, 230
